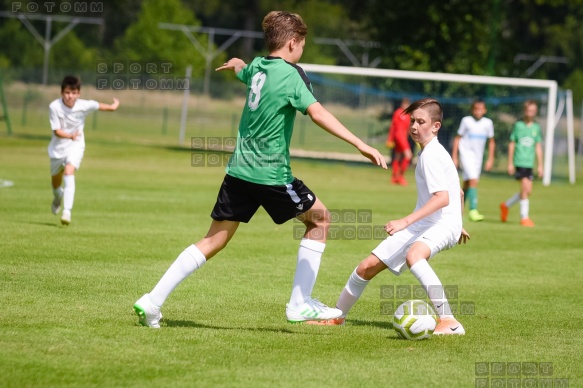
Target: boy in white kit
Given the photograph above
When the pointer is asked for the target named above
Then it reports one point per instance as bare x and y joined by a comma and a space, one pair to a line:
67, 117
435, 224
471, 139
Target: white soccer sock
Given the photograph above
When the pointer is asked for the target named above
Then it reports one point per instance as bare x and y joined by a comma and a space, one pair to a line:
187, 262
58, 192
309, 257
351, 293
432, 285
69, 192
524, 208
512, 200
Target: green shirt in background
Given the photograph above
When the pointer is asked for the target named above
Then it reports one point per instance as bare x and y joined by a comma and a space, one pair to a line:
525, 138
276, 89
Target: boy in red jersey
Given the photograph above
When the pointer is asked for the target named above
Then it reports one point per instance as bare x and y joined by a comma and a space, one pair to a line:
398, 140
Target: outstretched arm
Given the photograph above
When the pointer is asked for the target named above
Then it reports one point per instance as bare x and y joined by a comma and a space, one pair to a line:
326, 120
233, 64
109, 107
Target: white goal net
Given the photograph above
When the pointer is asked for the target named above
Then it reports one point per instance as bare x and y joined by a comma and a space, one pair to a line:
364, 98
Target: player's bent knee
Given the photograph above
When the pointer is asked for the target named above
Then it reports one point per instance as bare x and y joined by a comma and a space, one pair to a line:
369, 268
411, 260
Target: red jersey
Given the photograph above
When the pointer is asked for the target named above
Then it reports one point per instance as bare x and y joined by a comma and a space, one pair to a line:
399, 131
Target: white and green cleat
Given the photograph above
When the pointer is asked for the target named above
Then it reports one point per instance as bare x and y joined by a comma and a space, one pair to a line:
148, 314
311, 310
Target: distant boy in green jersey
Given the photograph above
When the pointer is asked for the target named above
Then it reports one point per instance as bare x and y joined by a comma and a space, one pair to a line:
259, 173
525, 144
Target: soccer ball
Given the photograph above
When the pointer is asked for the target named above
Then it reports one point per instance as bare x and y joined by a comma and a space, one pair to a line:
414, 320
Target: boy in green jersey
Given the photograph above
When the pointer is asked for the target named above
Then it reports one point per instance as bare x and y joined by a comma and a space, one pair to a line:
259, 173
525, 144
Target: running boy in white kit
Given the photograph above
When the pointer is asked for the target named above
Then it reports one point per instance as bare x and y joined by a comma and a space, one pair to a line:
67, 117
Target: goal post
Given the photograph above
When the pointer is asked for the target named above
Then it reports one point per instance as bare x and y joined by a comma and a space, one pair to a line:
550, 86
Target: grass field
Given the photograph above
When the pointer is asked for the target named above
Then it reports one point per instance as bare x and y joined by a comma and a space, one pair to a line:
67, 292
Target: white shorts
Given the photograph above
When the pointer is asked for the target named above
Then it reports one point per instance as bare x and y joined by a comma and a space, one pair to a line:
393, 250
471, 168
74, 157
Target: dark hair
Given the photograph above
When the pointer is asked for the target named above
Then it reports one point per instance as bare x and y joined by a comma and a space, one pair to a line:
280, 26
431, 105
71, 82
478, 101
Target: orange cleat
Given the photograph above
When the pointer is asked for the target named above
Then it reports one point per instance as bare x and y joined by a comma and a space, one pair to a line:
503, 212
527, 222
328, 322
449, 326
402, 181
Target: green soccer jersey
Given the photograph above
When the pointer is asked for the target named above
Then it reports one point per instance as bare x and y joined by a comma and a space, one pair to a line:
525, 139
276, 89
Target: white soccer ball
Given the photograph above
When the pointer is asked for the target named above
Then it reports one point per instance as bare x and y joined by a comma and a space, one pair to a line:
414, 320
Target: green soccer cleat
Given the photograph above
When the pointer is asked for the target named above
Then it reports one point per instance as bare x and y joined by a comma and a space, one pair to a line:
475, 215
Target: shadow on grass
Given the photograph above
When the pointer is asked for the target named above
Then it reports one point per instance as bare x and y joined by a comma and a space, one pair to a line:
29, 136
44, 224
380, 324
182, 323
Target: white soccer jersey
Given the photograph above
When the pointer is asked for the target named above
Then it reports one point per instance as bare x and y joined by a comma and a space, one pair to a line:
69, 120
435, 172
473, 138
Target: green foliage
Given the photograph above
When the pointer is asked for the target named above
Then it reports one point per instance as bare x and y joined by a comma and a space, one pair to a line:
71, 53
575, 83
144, 41
22, 50
19, 46
468, 37
436, 34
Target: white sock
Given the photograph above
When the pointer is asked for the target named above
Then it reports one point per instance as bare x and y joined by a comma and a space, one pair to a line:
309, 257
432, 285
58, 192
68, 192
512, 200
352, 291
524, 208
187, 262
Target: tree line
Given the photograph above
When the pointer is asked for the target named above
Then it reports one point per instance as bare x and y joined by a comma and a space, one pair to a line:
514, 38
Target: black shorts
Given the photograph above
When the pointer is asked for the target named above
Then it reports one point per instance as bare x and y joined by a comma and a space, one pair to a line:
523, 172
238, 200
